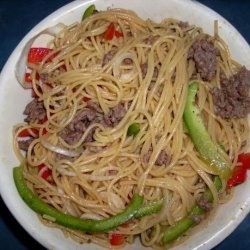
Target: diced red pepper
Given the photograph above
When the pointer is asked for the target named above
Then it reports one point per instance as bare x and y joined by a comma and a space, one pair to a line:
49, 85
244, 158
239, 175
46, 173
35, 132
41, 166
36, 55
44, 131
110, 32
126, 224
118, 34
86, 99
28, 77
63, 67
29, 80
42, 121
33, 94
117, 239
26, 132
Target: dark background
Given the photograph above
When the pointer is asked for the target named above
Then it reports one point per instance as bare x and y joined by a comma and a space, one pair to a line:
16, 19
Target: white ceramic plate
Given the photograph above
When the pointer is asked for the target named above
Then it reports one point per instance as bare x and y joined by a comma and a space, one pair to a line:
13, 100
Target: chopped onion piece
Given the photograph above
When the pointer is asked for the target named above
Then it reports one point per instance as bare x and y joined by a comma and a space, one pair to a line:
20, 68
114, 199
63, 171
59, 150
26, 85
70, 209
117, 65
60, 191
91, 216
117, 201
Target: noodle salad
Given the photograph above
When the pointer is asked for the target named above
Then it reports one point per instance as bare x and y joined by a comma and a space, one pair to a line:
135, 128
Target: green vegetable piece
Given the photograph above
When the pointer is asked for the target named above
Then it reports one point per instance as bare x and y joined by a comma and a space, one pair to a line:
149, 208
88, 12
177, 230
89, 226
217, 184
181, 226
208, 194
133, 129
221, 146
205, 146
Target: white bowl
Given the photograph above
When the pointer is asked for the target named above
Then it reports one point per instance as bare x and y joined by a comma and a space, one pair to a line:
13, 100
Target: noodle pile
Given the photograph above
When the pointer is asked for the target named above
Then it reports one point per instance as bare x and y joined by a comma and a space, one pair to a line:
97, 179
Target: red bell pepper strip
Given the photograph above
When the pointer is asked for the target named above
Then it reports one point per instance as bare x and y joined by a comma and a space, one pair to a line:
117, 239
44, 171
28, 77
35, 132
239, 175
33, 94
49, 85
118, 34
244, 158
110, 32
86, 99
26, 132
240, 171
126, 224
44, 131
36, 55
42, 121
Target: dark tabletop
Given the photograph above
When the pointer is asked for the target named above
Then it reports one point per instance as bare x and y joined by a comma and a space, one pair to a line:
17, 17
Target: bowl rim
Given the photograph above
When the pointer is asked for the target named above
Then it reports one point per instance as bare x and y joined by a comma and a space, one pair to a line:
66, 9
